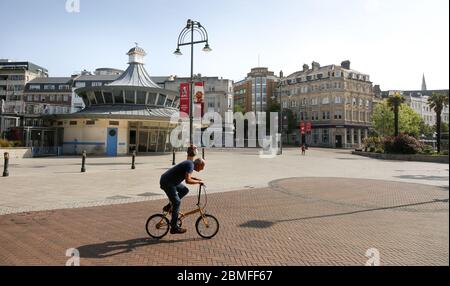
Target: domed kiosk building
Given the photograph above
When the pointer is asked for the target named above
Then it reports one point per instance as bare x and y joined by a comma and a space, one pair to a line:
130, 113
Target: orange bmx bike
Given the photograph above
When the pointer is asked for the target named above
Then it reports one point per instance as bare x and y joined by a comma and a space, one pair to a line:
207, 225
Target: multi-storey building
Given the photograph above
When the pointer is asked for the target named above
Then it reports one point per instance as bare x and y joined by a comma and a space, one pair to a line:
255, 91
418, 101
335, 100
13, 78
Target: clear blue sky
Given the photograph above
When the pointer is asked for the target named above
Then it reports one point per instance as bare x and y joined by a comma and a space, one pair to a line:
394, 41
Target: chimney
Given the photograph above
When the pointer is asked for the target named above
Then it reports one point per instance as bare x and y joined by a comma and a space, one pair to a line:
281, 74
315, 66
305, 68
346, 64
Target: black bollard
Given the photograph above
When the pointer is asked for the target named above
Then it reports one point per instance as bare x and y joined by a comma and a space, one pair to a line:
83, 162
132, 160
173, 156
203, 153
5, 167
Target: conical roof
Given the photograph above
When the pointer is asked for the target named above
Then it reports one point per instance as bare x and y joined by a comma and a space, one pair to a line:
135, 74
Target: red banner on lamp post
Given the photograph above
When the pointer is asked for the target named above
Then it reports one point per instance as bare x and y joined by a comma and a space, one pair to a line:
302, 127
199, 95
184, 99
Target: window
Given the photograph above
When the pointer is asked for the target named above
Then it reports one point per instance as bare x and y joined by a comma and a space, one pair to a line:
80, 84
140, 97
115, 123
49, 87
354, 101
314, 101
96, 83
72, 123
338, 114
35, 87
315, 133
129, 96
64, 87
325, 136
118, 96
360, 102
66, 98
90, 122
325, 100
108, 97
36, 97
161, 99
338, 99
98, 97
151, 98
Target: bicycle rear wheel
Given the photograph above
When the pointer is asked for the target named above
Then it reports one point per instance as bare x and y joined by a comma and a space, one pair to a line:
207, 226
157, 226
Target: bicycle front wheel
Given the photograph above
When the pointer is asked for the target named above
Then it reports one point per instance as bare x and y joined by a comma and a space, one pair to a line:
157, 226
207, 226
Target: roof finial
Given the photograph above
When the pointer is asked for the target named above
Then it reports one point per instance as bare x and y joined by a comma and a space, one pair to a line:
136, 44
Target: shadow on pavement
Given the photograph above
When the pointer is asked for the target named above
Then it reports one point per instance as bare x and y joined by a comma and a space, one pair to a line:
267, 224
112, 248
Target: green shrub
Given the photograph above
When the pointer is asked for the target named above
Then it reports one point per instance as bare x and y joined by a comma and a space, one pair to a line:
379, 151
372, 149
445, 152
427, 149
402, 144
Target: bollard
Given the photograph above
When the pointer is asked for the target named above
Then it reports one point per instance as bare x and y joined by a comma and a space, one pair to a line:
83, 162
5, 167
173, 156
203, 153
133, 159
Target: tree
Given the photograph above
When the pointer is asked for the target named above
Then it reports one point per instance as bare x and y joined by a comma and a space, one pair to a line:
425, 129
238, 108
394, 103
437, 102
383, 120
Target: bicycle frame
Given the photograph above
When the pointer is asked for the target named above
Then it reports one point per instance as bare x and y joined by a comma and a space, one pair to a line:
199, 209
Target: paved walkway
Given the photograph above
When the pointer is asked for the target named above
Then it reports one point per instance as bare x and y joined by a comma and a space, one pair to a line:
298, 221
55, 183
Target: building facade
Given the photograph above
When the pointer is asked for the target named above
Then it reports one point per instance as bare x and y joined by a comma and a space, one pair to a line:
335, 100
255, 91
418, 101
124, 113
13, 78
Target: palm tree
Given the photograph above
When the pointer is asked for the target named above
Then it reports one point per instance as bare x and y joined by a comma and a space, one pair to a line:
395, 102
437, 102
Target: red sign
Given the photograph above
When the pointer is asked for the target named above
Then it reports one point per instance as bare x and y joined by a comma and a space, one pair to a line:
302, 127
184, 99
308, 126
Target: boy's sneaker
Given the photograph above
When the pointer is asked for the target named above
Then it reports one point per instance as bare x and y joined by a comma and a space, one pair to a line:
177, 230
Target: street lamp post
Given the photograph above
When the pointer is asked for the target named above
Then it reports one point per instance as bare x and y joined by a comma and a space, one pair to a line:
281, 117
192, 26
